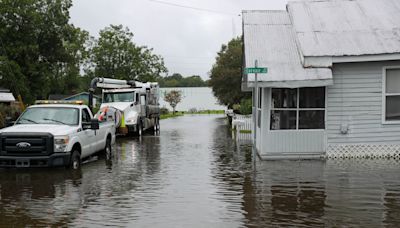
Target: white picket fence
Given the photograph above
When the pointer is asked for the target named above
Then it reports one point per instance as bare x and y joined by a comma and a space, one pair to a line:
242, 123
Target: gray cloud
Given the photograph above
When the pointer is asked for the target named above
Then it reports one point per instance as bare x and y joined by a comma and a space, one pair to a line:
188, 39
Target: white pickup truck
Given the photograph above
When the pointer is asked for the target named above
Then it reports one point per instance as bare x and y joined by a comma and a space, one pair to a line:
48, 135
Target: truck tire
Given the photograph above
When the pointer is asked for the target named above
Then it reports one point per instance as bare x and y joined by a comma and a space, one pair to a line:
107, 150
75, 162
157, 124
140, 128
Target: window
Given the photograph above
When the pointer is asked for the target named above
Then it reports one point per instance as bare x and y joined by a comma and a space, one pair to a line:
85, 116
392, 94
302, 108
118, 97
50, 115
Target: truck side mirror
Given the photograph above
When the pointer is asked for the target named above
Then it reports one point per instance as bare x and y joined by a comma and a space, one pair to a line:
94, 124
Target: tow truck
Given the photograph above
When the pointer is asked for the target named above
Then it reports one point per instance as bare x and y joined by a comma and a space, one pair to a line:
138, 103
55, 133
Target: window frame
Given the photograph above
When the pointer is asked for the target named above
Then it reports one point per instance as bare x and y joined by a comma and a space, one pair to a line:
82, 113
384, 95
297, 109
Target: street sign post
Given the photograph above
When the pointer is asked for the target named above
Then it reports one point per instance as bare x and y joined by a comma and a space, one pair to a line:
255, 70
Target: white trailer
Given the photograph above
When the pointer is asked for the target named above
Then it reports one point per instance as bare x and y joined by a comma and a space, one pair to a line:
138, 103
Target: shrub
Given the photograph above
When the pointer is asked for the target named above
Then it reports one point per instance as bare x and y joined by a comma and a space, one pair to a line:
164, 111
245, 107
12, 111
192, 110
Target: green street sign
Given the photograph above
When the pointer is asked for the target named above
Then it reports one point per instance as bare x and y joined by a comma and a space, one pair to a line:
258, 70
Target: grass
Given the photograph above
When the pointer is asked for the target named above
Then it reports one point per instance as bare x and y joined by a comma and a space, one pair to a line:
245, 131
170, 115
208, 112
177, 113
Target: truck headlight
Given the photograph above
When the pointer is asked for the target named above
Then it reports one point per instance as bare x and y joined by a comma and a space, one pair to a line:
131, 119
61, 143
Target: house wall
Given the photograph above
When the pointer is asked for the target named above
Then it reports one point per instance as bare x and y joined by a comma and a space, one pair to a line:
355, 101
287, 144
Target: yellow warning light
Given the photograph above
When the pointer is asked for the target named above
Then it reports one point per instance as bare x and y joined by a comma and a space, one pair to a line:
59, 102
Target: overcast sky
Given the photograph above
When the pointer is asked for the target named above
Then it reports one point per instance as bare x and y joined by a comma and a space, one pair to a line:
188, 39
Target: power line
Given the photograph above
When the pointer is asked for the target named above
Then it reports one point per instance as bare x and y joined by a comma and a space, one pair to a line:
193, 8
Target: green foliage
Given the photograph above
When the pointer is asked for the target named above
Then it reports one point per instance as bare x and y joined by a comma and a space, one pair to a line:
40, 52
246, 106
226, 74
8, 111
164, 111
171, 115
173, 97
177, 80
245, 131
116, 56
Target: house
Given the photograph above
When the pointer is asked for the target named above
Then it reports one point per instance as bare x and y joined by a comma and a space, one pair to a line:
6, 97
333, 82
83, 96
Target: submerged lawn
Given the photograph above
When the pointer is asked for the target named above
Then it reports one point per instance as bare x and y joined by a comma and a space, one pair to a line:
177, 114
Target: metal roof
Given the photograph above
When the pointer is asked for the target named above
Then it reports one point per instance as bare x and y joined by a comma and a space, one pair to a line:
269, 37
6, 97
346, 27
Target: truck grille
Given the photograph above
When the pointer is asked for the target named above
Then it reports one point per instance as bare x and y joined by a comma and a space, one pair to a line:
26, 144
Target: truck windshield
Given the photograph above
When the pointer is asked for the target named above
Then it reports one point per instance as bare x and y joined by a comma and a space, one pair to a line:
119, 97
50, 115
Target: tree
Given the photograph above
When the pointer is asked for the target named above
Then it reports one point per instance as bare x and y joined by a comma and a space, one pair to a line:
38, 47
173, 97
226, 74
177, 80
114, 55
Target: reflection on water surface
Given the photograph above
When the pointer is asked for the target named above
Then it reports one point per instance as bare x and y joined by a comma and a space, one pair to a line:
194, 175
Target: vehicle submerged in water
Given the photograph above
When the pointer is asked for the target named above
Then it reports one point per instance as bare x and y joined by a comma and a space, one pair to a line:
54, 134
138, 103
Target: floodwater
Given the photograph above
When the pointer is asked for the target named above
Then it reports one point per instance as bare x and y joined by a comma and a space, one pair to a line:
195, 175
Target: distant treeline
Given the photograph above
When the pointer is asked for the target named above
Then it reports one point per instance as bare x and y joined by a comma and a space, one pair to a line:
177, 80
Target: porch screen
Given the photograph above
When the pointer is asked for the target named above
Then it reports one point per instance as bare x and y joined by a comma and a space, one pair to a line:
302, 108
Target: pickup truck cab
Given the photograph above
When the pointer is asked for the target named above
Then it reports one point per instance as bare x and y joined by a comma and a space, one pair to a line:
48, 135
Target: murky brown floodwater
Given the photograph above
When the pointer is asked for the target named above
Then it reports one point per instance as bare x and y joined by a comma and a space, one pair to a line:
194, 175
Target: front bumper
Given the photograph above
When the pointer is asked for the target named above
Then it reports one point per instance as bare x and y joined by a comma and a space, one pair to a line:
54, 160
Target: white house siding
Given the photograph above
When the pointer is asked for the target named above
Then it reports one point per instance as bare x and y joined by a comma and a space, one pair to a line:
355, 99
287, 144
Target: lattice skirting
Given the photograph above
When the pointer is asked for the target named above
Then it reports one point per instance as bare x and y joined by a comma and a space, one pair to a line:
369, 151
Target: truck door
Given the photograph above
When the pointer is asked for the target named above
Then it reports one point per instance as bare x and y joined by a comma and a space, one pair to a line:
88, 136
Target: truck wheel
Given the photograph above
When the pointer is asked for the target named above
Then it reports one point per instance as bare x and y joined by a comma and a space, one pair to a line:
75, 162
107, 150
158, 124
140, 128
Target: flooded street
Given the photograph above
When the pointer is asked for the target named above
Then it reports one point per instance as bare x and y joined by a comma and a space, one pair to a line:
195, 175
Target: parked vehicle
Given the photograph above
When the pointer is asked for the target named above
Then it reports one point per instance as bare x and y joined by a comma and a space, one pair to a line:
54, 134
138, 102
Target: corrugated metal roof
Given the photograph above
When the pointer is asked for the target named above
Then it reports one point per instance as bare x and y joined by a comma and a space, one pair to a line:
6, 97
269, 37
346, 27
